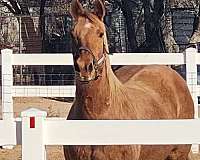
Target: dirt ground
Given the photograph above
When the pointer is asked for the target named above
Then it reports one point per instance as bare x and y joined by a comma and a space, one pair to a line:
54, 108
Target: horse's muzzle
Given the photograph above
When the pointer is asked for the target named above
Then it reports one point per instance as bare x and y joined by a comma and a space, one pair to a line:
86, 78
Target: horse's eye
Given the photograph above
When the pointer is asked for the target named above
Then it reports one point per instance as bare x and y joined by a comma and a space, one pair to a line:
101, 35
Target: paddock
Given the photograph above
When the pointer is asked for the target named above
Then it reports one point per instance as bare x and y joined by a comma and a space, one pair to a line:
33, 130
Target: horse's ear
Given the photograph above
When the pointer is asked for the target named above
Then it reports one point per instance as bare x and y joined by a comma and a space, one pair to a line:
76, 9
99, 9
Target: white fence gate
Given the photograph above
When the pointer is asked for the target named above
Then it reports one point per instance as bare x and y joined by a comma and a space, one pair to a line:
34, 130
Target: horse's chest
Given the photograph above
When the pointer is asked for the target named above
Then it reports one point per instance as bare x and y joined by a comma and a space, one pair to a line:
96, 107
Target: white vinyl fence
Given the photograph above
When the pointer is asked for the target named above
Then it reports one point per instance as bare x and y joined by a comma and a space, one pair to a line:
34, 131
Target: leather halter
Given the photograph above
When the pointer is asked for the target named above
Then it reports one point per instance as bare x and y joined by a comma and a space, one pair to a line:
97, 63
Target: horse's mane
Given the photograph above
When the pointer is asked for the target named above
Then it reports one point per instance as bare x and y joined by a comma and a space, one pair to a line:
115, 85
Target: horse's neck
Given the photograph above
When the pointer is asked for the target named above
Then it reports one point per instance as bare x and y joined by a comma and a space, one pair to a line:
103, 86
96, 96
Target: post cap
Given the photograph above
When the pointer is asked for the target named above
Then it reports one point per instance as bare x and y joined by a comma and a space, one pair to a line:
33, 112
4, 51
191, 50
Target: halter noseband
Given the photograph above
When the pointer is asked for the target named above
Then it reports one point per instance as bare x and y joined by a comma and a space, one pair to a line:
97, 63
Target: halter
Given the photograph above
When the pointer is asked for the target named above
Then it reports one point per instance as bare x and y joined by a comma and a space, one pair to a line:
97, 63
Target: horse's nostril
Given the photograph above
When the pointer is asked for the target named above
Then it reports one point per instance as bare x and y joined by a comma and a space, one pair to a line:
90, 68
86, 68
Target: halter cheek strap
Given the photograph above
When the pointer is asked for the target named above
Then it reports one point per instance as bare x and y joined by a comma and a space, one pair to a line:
101, 60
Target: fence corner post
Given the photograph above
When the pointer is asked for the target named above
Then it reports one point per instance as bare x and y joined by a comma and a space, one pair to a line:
6, 88
191, 77
7, 84
33, 146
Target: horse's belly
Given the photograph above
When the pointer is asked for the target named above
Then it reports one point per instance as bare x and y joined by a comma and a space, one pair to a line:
128, 152
164, 152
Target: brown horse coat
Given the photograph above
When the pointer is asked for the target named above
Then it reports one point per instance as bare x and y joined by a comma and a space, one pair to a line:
138, 92
152, 92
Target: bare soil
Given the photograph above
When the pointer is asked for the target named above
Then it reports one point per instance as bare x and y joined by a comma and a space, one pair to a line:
54, 108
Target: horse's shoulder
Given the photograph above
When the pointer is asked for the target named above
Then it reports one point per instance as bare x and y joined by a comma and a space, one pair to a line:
126, 72
145, 73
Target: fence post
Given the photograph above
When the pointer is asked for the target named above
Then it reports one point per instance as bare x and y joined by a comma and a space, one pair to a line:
33, 146
6, 87
7, 84
191, 77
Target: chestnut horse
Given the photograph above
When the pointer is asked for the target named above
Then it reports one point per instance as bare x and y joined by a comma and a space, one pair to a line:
135, 92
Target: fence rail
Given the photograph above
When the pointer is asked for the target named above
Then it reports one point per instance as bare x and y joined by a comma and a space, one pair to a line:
115, 58
43, 91
110, 132
106, 132
34, 130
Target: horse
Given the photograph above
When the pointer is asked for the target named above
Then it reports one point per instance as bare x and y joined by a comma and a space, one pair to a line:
132, 93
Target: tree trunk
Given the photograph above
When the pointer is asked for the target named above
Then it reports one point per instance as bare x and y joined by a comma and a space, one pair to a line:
42, 22
153, 12
130, 23
168, 35
32, 40
195, 38
170, 43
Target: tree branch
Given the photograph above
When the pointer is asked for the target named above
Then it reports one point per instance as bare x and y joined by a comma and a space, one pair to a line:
8, 7
24, 8
15, 6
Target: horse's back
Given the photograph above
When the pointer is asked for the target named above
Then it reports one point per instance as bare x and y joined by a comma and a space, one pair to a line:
161, 83
163, 94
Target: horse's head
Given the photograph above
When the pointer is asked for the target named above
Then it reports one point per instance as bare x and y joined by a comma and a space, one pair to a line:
89, 37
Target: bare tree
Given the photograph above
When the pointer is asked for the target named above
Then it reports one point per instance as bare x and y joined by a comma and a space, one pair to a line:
153, 13
196, 28
31, 29
183, 3
126, 8
31, 36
